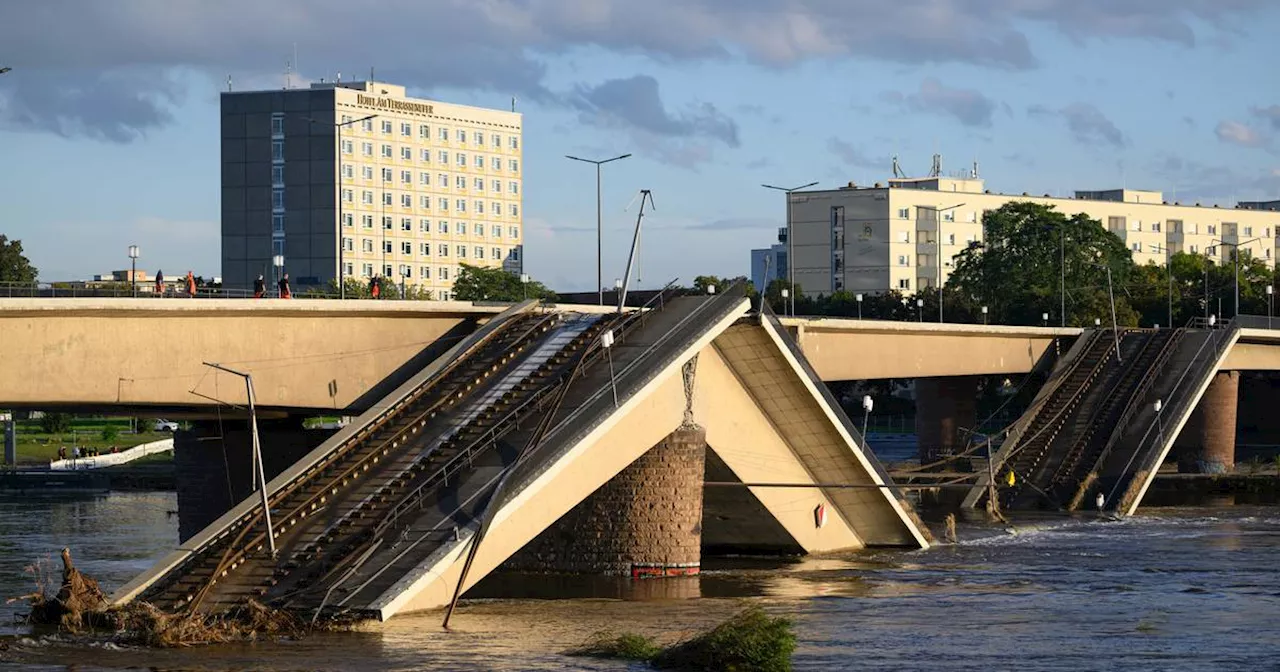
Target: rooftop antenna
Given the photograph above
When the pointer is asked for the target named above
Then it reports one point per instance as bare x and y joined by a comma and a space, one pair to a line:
339, 77
371, 78
295, 56
513, 103
639, 245
897, 169
288, 74
936, 169
975, 173
228, 82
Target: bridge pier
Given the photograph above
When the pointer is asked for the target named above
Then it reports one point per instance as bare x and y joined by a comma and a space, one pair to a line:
945, 407
1207, 443
646, 521
213, 469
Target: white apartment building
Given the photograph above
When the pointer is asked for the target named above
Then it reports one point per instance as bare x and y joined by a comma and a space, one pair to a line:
893, 235
356, 179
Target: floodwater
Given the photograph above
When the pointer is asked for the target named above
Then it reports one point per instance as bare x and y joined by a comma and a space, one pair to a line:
1175, 589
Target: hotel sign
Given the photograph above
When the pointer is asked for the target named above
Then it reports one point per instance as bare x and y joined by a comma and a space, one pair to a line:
394, 105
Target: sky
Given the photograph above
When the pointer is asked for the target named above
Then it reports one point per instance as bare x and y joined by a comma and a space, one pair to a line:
109, 117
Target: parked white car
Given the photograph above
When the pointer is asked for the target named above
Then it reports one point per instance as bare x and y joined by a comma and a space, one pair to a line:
165, 426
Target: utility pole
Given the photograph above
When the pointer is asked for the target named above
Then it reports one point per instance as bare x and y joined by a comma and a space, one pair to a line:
599, 219
260, 483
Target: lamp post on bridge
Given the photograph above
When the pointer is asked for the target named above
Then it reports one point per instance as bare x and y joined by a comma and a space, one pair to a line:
791, 246
133, 269
937, 233
599, 227
1235, 257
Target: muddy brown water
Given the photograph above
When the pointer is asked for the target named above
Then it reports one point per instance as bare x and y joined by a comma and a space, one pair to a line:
1173, 589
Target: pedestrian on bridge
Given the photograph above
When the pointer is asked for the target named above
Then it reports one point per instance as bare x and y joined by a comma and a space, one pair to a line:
160, 283
259, 288
283, 286
191, 285
375, 286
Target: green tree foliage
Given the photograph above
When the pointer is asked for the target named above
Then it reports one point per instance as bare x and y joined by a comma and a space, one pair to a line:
55, 423
14, 266
1017, 270
475, 283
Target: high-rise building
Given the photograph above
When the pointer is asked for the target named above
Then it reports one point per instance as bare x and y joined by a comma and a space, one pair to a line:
358, 179
892, 236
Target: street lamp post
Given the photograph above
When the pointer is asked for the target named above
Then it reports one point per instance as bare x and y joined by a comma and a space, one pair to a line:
1168, 270
791, 236
599, 227
1270, 296
133, 269
1236, 258
937, 234
859, 299
342, 267
277, 262
920, 309
984, 314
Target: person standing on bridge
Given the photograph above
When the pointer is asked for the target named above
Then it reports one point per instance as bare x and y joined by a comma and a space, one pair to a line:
283, 286
191, 285
160, 283
375, 286
259, 288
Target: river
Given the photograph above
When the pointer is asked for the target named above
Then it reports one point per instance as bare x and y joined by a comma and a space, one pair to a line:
1173, 589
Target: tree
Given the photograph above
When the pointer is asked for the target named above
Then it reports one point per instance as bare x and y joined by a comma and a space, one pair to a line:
1017, 269
475, 283
55, 423
14, 267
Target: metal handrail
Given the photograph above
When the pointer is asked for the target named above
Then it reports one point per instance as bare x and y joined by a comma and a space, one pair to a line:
454, 464
1218, 347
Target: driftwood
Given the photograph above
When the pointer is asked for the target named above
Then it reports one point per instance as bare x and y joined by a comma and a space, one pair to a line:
74, 607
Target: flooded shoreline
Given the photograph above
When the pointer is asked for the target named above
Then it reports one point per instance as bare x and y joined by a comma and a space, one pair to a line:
1176, 589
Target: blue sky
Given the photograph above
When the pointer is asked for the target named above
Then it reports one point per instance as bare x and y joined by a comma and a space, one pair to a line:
109, 117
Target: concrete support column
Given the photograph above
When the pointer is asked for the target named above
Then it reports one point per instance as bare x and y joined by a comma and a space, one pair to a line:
213, 469
10, 439
1207, 443
646, 521
946, 408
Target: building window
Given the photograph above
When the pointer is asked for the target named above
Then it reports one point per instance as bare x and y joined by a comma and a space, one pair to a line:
277, 199
904, 237
367, 244
386, 224
406, 200
424, 225
444, 204
366, 197
387, 198
496, 230
951, 239
348, 244
424, 202
903, 260
406, 177
904, 213
348, 171
442, 180
424, 132
350, 268
949, 216
444, 134
366, 125
479, 161
1155, 227
479, 138
462, 159
366, 221
366, 172
424, 179
406, 247
1248, 230
406, 271
444, 251
277, 224
347, 148
386, 175
443, 157
406, 153
406, 129
904, 283
386, 126
514, 165
515, 142
497, 186
386, 151
1195, 249
277, 176
387, 246
479, 182
460, 181
1212, 229
424, 249
277, 125
348, 220
515, 210
444, 227
479, 205
513, 187
424, 272
366, 148
495, 163
497, 208
386, 271
348, 195
1136, 247
461, 205
425, 156
406, 224
444, 275
462, 136
462, 251
277, 150
479, 252
495, 253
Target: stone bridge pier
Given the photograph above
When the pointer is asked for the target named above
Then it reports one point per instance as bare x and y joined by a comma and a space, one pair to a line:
1207, 443
646, 521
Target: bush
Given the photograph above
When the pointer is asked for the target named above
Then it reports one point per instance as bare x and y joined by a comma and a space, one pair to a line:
751, 640
110, 433
55, 423
626, 646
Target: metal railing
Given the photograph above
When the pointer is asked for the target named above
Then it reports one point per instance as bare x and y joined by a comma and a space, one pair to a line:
1180, 398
